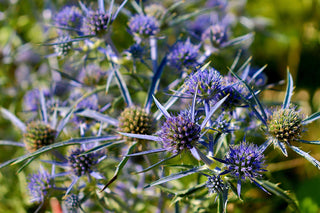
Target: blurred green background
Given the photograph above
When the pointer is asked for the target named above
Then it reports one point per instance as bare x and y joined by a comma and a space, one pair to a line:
287, 33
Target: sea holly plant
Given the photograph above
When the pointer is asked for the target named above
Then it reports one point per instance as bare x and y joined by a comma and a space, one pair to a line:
285, 125
138, 110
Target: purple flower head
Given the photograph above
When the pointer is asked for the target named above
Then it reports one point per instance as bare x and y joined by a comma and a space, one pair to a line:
82, 164
215, 35
244, 161
69, 17
183, 55
179, 133
31, 101
72, 203
208, 82
215, 184
96, 23
222, 123
143, 26
136, 50
236, 91
92, 75
39, 185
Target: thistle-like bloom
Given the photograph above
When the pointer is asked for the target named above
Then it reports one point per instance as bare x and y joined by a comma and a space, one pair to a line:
215, 34
179, 133
96, 23
72, 203
183, 55
143, 26
63, 46
38, 135
285, 125
244, 161
137, 121
39, 185
69, 17
215, 184
236, 91
208, 82
82, 164
136, 51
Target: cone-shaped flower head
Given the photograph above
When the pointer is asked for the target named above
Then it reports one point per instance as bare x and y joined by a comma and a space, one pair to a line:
208, 82
215, 34
81, 164
179, 133
245, 161
215, 184
72, 203
183, 55
69, 17
137, 121
236, 91
136, 51
285, 124
39, 185
96, 23
63, 46
38, 135
143, 26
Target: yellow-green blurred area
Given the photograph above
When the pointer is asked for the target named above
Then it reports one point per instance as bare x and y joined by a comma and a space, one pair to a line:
287, 34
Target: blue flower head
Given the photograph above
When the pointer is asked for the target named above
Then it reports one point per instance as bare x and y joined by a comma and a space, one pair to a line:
136, 51
235, 89
39, 185
208, 82
244, 161
215, 184
96, 23
82, 164
72, 203
179, 133
69, 17
31, 100
215, 35
183, 55
143, 26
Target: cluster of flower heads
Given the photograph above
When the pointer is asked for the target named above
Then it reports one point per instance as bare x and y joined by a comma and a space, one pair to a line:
207, 130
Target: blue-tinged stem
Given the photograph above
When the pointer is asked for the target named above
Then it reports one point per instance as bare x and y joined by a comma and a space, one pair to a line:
101, 6
154, 53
